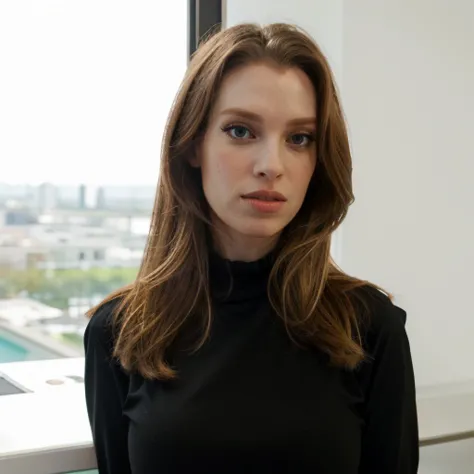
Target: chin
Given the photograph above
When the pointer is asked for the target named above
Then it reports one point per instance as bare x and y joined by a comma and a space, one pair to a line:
263, 228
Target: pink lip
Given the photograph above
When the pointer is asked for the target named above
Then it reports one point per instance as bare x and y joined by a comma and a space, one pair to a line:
268, 196
265, 201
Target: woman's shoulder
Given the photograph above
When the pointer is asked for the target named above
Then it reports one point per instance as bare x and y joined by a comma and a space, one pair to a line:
387, 367
100, 328
382, 320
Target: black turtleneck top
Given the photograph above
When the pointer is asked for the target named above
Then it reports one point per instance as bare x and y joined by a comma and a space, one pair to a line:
250, 401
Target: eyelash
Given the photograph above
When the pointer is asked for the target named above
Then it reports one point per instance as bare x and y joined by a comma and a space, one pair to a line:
310, 137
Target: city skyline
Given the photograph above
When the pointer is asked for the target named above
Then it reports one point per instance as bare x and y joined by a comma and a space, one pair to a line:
48, 196
146, 182
77, 184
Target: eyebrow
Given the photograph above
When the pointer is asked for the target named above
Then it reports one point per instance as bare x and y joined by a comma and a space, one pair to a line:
257, 118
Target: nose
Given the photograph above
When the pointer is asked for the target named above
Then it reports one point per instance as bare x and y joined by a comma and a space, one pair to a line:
269, 161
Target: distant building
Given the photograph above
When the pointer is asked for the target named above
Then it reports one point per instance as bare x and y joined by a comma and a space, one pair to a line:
129, 198
82, 196
109, 231
47, 197
69, 246
101, 201
18, 217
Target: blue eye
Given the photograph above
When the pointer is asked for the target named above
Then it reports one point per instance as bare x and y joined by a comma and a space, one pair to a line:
301, 139
238, 132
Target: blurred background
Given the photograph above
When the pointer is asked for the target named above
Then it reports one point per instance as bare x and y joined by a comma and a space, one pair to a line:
85, 91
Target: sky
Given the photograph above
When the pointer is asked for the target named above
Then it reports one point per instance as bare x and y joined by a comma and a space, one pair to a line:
86, 87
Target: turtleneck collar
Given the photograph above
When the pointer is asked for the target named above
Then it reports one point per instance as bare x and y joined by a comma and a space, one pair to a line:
233, 281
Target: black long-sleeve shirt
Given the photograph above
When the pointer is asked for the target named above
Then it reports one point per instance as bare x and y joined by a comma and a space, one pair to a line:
250, 401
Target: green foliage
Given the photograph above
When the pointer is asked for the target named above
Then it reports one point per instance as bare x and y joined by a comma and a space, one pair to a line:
55, 287
72, 339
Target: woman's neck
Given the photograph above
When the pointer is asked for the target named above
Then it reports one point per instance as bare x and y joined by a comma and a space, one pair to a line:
242, 247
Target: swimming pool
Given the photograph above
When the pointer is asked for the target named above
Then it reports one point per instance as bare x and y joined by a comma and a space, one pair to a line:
14, 348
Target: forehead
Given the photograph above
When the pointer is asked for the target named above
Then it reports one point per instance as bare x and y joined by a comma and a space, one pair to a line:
266, 89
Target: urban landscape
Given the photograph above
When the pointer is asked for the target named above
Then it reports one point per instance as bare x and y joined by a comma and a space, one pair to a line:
62, 249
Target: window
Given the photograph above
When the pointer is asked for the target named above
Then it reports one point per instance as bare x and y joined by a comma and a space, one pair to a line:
85, 92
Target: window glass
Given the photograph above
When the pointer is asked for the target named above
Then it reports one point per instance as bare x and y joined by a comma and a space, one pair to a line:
85, 90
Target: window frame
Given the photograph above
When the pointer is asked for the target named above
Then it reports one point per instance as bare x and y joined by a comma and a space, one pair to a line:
203, 17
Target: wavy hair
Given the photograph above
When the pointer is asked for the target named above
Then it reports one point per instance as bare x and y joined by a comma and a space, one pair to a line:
314, 298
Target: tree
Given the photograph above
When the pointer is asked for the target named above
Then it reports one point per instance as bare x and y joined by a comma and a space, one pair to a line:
56, 287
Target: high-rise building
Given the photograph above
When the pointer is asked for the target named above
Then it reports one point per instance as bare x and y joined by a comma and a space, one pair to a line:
82, 196
47, 197
101, 203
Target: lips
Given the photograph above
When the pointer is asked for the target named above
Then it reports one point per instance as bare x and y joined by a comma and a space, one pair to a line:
264, 195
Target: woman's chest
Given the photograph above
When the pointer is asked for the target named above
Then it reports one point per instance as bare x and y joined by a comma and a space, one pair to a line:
254, 403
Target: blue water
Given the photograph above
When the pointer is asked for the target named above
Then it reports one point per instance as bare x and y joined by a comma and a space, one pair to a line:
11, 352
13, 348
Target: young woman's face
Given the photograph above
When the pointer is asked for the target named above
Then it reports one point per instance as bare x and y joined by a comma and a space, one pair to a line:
258, 154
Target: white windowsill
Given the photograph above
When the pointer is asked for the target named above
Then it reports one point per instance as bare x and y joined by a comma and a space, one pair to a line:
47, 430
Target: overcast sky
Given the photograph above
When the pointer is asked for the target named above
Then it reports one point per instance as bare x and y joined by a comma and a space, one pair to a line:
85, 88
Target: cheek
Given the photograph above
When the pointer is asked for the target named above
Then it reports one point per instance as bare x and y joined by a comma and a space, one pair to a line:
223, 169
303, 177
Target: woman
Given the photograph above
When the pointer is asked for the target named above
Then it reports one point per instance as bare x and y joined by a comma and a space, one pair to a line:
241, 347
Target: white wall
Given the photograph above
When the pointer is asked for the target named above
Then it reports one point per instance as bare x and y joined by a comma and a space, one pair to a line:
408, 79
404, 69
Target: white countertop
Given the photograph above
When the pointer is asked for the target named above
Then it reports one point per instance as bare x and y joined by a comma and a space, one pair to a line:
45, 432
49, 429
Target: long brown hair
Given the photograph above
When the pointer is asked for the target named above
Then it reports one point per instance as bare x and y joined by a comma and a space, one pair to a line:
314, 298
